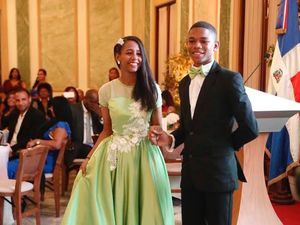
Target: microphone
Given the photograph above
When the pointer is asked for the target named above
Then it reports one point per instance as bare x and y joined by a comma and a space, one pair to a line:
267, 57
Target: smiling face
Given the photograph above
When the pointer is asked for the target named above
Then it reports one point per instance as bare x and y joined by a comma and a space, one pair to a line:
22, 100
11, 100
130, 57
201, 45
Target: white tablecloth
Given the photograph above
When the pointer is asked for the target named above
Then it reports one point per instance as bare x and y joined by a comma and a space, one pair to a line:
4, 154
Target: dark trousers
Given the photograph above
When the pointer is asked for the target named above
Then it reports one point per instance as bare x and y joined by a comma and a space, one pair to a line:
206, 208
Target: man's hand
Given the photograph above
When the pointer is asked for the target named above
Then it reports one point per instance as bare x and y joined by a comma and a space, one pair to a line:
159, 137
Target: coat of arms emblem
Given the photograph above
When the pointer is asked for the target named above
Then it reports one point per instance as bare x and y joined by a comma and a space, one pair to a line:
277, 75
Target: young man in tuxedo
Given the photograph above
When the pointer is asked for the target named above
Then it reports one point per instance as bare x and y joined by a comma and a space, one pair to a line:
211, 99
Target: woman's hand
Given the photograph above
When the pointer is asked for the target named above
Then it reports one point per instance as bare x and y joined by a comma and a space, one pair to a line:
159, 137
83, 166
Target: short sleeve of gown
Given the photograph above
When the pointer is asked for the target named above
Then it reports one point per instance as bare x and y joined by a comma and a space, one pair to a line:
104, 94
159, 98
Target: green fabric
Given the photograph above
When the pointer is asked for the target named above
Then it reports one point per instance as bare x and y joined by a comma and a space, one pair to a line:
137, 190
116, 88
193, 72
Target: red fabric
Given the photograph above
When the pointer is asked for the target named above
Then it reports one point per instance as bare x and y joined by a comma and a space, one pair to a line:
288, 214
296, 86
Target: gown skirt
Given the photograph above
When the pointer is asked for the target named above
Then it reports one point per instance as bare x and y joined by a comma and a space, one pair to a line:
135, 192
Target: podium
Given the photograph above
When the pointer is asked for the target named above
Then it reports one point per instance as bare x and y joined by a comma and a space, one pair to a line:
251, 201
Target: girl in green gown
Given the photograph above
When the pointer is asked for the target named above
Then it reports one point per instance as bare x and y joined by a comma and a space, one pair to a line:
124, 180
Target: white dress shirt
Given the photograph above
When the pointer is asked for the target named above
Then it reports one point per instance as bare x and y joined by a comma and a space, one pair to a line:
17, 128
195, 86
87, 127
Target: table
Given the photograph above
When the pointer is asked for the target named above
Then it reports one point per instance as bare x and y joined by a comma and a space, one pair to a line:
7, 213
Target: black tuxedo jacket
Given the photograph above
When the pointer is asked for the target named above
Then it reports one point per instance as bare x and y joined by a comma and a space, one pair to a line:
29, 129
209, 162
78, 122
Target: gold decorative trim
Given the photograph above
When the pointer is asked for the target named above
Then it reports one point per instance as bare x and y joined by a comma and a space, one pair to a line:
280, 31
285, 174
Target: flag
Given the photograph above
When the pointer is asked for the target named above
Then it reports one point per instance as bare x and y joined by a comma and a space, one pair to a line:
284, 81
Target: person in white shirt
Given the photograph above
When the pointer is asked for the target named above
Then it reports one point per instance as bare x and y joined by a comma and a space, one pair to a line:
86, 123
24, 124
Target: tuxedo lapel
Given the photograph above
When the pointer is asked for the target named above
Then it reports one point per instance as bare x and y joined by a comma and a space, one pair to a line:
186, 99
206, 86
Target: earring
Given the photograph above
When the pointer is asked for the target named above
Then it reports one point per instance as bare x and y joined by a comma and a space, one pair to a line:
118, 62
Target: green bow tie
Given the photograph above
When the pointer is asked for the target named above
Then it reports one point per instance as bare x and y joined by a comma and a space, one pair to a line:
193, 72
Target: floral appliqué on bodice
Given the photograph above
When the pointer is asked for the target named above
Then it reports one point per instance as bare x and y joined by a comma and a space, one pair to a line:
134, 131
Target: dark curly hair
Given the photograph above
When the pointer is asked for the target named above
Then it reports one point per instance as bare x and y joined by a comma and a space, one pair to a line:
46, 86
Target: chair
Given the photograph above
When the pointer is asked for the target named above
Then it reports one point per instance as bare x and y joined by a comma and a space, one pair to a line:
53, 179
74, 166
27, 183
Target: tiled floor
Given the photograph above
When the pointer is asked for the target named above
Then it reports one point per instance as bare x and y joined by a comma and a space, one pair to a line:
48, 211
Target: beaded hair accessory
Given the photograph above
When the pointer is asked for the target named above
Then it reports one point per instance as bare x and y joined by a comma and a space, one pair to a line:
120, 41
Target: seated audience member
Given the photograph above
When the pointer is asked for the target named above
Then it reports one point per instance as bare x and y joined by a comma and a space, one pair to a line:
41, 78
71, 94
168, 105
80, 94
113, 73
14, 81
24, 124
55, 132
43, 102
25, 121
86, 117
9, 107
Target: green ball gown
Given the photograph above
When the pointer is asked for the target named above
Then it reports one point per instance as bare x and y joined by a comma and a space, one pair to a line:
126, 181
